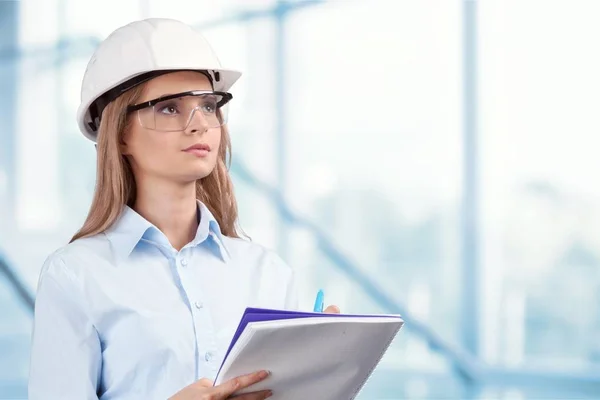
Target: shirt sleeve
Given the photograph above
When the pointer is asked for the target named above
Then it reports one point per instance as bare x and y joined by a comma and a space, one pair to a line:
66, 358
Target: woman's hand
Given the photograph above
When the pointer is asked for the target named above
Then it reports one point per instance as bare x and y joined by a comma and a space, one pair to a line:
332, 310
204, 389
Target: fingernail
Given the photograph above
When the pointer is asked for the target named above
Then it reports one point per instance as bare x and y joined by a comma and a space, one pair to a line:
269, 394
263, 374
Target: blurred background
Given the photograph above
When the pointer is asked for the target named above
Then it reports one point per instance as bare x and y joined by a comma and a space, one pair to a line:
436, 159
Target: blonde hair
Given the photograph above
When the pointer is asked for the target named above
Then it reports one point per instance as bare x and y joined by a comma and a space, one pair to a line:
115, 183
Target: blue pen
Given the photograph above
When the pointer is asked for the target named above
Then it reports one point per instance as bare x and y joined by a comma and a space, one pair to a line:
319, 301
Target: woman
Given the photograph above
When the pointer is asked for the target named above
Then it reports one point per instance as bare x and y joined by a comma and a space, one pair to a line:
143, 301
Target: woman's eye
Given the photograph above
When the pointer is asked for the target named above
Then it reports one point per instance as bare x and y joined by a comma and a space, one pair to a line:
209, 107
170, 109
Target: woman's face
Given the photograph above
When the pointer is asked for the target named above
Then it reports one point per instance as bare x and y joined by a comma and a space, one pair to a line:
160, 145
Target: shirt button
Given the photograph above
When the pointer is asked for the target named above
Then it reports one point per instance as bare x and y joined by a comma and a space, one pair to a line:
208, 356
183, 262
198, 305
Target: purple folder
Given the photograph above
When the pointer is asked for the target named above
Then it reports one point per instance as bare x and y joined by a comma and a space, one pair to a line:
252, 314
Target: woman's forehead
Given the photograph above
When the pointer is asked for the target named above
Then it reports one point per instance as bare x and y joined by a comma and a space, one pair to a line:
176, 82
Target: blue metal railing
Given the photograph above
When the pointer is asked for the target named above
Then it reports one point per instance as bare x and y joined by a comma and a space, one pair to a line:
16, 282
465, 364
474, 372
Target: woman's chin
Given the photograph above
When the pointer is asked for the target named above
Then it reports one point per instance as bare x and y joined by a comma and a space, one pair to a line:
196, 174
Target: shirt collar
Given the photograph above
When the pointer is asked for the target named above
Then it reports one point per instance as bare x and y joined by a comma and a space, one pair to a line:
131, 227
209, 226
127, 231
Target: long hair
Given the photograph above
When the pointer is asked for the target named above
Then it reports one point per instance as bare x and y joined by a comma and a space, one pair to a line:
115, 182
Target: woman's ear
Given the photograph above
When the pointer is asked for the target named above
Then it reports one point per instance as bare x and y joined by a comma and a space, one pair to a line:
124, 149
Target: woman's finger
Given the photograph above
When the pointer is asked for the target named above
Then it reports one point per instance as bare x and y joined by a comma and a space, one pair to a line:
332, 310
233, 385
205, 383
263, 394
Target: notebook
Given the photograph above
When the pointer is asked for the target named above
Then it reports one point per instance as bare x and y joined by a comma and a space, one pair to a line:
309, 355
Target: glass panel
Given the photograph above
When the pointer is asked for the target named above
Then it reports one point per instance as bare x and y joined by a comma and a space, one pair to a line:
374, 144
188, 11
38, 23
97, 19
201, 12
15, 325
541, 213
37, 147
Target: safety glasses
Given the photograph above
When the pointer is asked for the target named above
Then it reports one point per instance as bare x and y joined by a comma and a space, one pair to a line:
175, 112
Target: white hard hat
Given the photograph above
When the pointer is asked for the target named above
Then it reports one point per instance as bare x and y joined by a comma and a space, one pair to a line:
141, 51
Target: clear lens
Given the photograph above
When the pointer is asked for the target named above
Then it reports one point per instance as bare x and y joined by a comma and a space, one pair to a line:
177, 114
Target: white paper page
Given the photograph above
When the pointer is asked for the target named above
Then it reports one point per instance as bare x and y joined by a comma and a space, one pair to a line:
311, 358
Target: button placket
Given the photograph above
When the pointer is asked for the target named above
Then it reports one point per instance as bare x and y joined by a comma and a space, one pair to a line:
180, 264
206, 335
204, 331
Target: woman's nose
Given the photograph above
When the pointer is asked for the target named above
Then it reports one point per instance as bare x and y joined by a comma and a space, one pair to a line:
197, 122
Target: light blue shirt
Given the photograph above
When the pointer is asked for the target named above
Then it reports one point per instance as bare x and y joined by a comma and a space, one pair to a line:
123, 315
